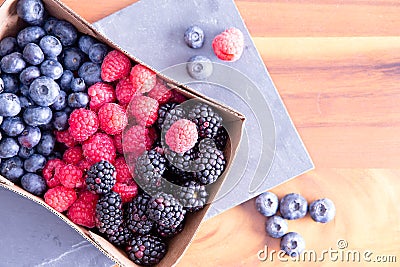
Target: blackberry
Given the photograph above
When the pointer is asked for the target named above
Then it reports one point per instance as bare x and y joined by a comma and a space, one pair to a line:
221, 139
146, 250
101, 177
162, 113
168, 114
136, 215
121, 237
166, 210
149, 168
193, 196
209, 165
207, 120
180, 166
166, 232
109, 213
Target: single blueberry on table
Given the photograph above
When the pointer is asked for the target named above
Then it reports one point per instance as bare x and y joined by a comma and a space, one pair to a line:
12, 63
50, 46
28, 75
25, 153
11, 83
194, 37
85, 42
33, 54
293, 206
31, 11
61, 101
13, 126
12, 169
8, 148
51, 68
293, 244
276, 226
44, 91
9, 105
35, 163
322, 210
199, 67
8, 45
34, 184
65, 80
72, 58
78, 85
46, 144
36, 116
97, 52
267, 204
30, 137
60, 121
49, 24
78, 100
65, 32
31, 34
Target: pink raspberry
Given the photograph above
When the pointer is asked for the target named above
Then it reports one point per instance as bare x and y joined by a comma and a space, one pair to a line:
73, 155
160, 92
124, 173
83, 210
127, 192
144, 109
83, 123
115, 66
70, 176
229, 44
65, 138
118, 143
101, 93
99, 147
112, 118
142, 78
137, 139
49, 171
60, 198
125, 91
182, 136
84, 165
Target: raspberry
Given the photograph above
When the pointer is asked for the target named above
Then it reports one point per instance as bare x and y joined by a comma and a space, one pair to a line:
73, 155
84, 165
112, 118
60, 198
144, 109
83, 123
65, 138
137, 140
115, 66
100, 93
99, 147
160, 92
70, 176
182, 136
123, 172
118, 143
177, 97
229, 44
49, 170
125, 91
83, 210
142, 78
127, 192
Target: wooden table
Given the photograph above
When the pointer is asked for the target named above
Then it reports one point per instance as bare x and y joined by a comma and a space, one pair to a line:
336, 65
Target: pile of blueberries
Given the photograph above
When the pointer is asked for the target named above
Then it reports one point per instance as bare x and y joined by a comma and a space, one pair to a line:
45, 72
291, 207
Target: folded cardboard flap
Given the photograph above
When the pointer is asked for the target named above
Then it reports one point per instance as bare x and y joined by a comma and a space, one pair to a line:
11, 24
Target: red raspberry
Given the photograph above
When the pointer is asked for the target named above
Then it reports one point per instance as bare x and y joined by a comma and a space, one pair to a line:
112, 118
116, 65
144, 109
177, 97
84, 165
83, 210
99, 147
65, 138
70, 176
83, 123
229, 44
182, 136
124, 173
118, 143
49, 171
137, 139
125, 91
127, 192
160, 92
60, 198
73, 155
101, 93
142, 78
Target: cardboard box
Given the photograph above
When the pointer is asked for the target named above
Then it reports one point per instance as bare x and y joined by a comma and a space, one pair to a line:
11, 24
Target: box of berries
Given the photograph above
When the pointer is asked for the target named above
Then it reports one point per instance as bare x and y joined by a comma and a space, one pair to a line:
127, 157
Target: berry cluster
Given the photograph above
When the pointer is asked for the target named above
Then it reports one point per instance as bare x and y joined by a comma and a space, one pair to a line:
291, 207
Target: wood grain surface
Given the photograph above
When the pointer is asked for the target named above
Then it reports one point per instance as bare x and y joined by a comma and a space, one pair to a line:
336, 65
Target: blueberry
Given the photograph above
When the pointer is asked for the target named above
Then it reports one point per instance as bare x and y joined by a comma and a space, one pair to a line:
194, 37
322, 210
28, 75
31, 11
44, 91
36, 116
78, 85
26, 102
12, 169
25, 152
1, 121
65, 32
24, 90
65, 80
90, 72
267, 204
293, 244
51, 68
61, 101
9, 105
276, 226
8, 148
1, 85
30, 137
11, 83
28, 35
12, 126
78, 100
199, 67
8, 45
60, 121
34, 184
85, 42
97, 52
49, 25
46, 144
33, 54
13, 63
72, 58
35, 163
293, 206
50, 46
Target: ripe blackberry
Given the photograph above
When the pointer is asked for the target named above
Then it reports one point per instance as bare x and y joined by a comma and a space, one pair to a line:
207, 120
136, 215
101, 177
166, 232
168, 114
146, 250
180, 166
209, 165
149, 168
166, 210
121, 237
193, 196
109, 213
221, 139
